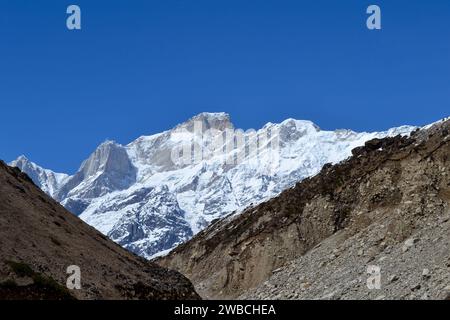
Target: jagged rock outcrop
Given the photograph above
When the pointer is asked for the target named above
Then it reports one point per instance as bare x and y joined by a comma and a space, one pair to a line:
39, 240
387, 205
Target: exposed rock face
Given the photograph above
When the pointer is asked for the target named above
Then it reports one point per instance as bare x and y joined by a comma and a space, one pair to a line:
388, 206
107, 169
114, 188
39, 239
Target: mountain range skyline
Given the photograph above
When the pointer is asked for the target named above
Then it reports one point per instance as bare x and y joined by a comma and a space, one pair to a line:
140, 197
107, 139
249, 152
143, 68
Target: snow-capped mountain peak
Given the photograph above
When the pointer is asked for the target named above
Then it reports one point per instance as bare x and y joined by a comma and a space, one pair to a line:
108, 169
159, 190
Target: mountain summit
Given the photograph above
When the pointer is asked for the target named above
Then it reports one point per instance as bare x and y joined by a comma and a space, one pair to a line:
209, 120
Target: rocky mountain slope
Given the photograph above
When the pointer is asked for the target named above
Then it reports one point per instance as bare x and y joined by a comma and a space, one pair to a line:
387, 207
39, 240
148, 202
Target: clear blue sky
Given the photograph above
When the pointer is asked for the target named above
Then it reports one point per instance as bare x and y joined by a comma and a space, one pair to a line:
140, 67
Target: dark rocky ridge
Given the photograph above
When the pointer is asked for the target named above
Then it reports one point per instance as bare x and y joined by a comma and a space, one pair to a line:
39, 239
390, 190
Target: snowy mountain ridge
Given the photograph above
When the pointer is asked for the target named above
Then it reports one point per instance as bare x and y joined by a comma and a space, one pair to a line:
47, 180
160, 190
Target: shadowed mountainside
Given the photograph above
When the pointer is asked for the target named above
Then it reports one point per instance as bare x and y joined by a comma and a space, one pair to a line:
39, 239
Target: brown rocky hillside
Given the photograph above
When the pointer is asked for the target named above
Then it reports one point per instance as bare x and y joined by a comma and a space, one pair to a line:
39, 239
387, 206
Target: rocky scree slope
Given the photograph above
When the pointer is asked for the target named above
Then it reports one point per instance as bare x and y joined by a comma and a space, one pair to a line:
136, 195
39, 239
387, 205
